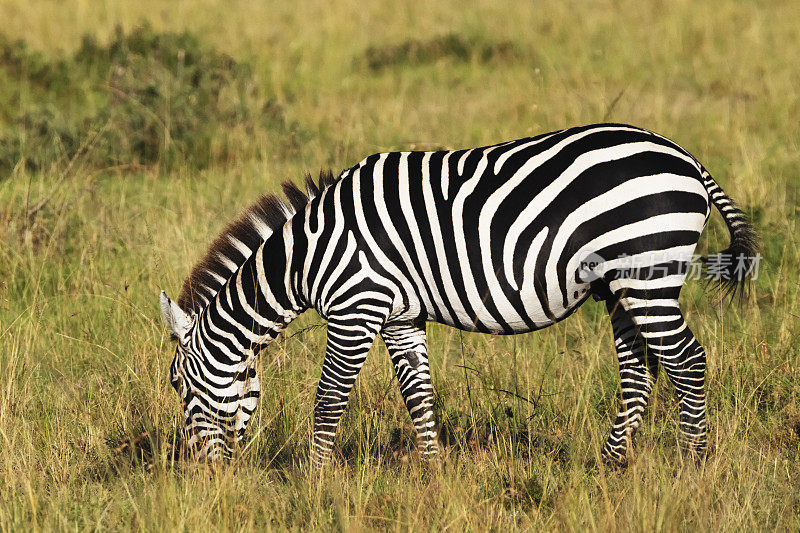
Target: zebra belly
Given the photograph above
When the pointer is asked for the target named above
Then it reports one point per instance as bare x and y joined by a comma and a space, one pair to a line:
485, 322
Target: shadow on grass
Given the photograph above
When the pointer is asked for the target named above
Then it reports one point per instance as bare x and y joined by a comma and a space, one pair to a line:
143, 448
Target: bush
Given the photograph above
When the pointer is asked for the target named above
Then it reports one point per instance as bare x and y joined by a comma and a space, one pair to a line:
449, 46
156, 98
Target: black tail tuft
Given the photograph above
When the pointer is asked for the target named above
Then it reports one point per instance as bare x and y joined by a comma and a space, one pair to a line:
732, 270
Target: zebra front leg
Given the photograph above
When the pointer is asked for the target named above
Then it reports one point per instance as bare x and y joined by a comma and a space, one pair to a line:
407, 345
638, 371
346, 351
668, 337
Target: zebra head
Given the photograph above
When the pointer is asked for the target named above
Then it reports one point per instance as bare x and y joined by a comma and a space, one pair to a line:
217, 397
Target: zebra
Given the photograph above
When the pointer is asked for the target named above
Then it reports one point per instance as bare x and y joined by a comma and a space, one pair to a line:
492, 239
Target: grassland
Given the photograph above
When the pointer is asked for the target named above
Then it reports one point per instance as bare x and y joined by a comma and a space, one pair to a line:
128, 175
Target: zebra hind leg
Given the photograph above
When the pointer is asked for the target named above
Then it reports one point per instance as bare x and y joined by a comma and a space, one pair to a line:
407, 347
667, 336
638, 371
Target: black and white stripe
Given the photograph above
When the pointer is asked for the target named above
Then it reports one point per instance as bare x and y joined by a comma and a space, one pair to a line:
492, 239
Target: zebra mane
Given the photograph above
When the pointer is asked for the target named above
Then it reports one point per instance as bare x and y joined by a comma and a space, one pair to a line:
242, 237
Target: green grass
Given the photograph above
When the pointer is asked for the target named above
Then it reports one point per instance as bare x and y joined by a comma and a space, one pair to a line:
84, 357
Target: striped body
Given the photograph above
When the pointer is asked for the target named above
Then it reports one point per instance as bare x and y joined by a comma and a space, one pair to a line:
492, 239
488, 239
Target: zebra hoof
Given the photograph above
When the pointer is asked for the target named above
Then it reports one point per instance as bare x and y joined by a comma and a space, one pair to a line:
614, 461
697, 452
432, 462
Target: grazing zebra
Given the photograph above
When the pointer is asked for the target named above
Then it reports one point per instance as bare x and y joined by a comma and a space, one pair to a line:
506, 239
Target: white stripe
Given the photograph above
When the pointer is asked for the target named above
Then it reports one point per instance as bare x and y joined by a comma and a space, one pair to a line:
445, 179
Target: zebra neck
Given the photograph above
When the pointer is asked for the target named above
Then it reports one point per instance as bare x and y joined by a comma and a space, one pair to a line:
254, 305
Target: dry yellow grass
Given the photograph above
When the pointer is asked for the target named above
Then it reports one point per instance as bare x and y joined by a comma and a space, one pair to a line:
83, 356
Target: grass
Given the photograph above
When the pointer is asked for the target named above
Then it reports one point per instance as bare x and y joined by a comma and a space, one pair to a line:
85, 249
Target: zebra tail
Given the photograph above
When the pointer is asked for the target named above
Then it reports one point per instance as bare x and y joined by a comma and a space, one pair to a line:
732, 269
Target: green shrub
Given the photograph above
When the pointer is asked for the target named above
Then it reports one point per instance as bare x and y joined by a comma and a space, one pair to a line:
449, 46
157, 99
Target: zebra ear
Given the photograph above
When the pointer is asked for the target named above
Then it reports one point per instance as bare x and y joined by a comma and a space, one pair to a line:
176, 319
